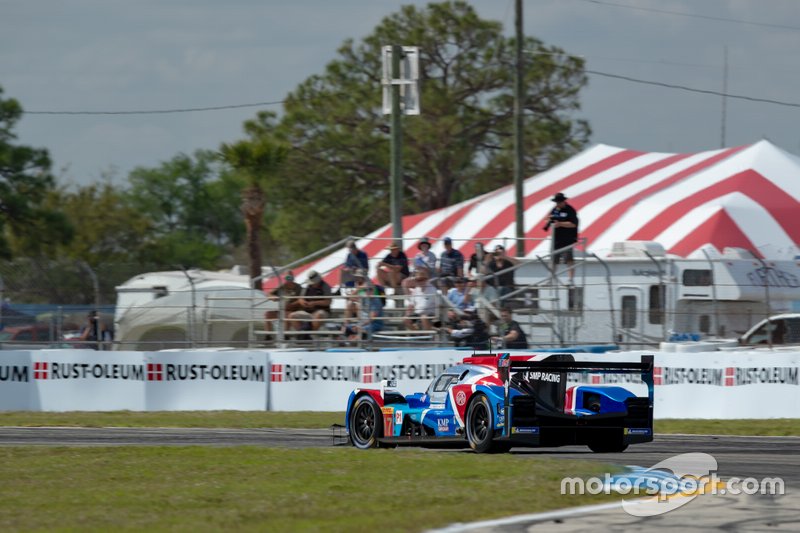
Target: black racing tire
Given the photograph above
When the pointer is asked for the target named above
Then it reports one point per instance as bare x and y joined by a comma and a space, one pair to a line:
608, 447
479, 425
366, 424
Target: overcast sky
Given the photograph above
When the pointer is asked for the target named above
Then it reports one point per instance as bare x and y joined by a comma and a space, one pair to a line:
110, 55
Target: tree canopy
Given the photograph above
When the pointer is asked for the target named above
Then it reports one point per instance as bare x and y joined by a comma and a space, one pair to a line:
26, 225
461, 145
320, 170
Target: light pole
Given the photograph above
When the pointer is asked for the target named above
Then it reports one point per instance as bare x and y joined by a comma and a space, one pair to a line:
396, 150
400, 97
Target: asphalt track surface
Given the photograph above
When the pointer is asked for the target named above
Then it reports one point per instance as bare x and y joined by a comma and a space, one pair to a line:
737, 456
756, 457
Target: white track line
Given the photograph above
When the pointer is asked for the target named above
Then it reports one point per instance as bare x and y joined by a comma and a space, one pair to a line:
534, 517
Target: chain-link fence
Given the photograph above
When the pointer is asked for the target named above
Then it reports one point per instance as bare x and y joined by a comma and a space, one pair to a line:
65, 282
46, 302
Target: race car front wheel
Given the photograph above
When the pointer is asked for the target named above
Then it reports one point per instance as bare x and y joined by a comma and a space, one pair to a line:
480, 429
365, 423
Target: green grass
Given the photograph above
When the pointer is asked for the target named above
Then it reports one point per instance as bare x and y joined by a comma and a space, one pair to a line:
278, 489
273, 489
768, 427
307, 419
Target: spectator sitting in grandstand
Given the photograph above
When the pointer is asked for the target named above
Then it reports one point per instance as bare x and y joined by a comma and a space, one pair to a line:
451, 264
286, 293
365, 305
481, 295
315, 304
470, 330
459, 296
394, 268
425, 258
356, 260
422, 304
510, 334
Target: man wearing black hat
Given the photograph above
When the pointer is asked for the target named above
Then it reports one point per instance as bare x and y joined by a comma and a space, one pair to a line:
564, 221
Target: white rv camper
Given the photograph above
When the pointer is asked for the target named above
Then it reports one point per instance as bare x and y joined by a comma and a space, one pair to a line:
641, 295
175, 309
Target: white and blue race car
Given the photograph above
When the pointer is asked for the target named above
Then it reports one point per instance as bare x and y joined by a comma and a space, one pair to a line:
495, 402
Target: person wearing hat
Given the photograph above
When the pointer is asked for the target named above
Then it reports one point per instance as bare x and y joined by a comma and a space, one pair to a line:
315, 304
288, 292
451, 264
425, 258
564, 221
356, 259
393, 269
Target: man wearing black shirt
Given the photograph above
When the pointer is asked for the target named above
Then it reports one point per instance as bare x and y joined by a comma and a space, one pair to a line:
451, 264
510, 332
564, 221
394, 267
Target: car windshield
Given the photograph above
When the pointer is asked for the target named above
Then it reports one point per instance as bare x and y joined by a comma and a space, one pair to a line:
444, 382
440, 385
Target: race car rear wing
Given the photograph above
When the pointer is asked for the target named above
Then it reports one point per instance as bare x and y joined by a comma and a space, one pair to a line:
550, 375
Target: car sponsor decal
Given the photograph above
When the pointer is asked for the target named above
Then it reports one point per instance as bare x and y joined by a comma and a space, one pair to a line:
458, 393
525, 430
569, 401
461, 398
398, 417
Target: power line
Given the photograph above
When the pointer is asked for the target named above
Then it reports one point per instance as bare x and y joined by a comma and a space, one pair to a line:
277, 102
661, 62
155, 111
694, 15
691, 89
663, 84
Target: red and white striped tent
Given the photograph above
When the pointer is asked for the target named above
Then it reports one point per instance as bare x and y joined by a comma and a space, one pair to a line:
744, 197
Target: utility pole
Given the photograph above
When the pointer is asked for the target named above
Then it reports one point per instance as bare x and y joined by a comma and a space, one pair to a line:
396, 150
519, 125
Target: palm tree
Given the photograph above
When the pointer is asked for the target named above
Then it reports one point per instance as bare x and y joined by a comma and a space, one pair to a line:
254, 160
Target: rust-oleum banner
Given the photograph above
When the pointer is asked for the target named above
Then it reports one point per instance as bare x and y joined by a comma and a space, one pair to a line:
753, 384
88, 380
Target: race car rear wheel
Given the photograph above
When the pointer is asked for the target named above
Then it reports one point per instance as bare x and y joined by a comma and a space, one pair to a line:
480, 429
365, 423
